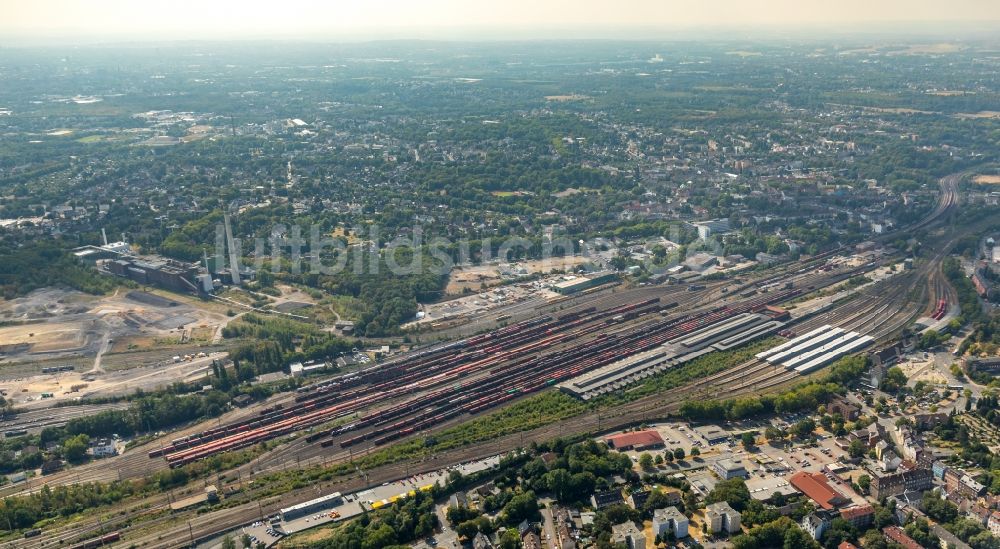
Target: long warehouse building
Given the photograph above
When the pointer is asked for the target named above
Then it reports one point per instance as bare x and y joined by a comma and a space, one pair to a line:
724, 334
815, 349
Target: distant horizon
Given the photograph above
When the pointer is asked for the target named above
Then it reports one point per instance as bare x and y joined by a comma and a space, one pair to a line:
115, 21
897, 30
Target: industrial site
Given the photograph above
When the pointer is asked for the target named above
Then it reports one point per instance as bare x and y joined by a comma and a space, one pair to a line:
592, 338
559, 295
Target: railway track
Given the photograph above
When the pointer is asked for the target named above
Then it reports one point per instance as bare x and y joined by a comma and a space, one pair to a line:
735, 382
747, 379
473, 394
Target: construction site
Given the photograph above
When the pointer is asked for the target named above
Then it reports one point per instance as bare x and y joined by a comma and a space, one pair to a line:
67, 344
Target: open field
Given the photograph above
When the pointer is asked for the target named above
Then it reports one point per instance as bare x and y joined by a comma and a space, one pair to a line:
57, 325
123, 375
949, 93
45, 338
986, 179
570, 97
980, 114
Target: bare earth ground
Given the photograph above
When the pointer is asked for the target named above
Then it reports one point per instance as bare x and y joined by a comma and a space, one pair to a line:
114, 343
474, 277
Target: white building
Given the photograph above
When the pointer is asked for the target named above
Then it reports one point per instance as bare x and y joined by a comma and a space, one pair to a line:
708, 228
994, 523
103, 447
721, 517
627, 534
729, 468
670, 520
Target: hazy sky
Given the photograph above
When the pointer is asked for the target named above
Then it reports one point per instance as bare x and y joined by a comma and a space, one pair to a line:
333, 19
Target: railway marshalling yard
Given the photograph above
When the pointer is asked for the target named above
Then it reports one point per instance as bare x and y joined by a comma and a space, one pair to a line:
548, 344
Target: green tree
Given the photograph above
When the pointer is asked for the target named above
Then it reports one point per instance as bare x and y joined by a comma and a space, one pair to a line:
856, 449
733, 491
382, 536
894, 380
75, 448
521, 507
804, 428
772, 433
864, 482
510, 539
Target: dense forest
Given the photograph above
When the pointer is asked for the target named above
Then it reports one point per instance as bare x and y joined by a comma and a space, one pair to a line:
28, 266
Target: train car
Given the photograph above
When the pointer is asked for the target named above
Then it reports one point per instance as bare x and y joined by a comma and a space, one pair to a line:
667, 307
106, 539
313, 437
352, 441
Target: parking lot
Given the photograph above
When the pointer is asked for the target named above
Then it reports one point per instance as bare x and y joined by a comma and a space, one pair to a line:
352, 504
768, 464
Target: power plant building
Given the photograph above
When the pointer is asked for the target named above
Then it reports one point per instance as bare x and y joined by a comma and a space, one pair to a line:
167, 273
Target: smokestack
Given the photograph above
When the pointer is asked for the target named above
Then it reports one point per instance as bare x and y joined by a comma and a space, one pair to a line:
123, 237
104, 236
230, 243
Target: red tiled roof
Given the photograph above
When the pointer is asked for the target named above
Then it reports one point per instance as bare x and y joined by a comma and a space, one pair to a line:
817, 488
855, 512
847, 545
897, 535
637, 439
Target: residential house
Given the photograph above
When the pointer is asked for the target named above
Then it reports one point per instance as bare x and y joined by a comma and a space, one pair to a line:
531, 540
103, 447
960, 485
849, 411
947, 539
629, 535
886, 485
481, 542
816, 523
929, 420
722, 517
979, 513
529, 535
670, 520
638, 498
458, 499
859, 516
895, 534
994, 523
606, 498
